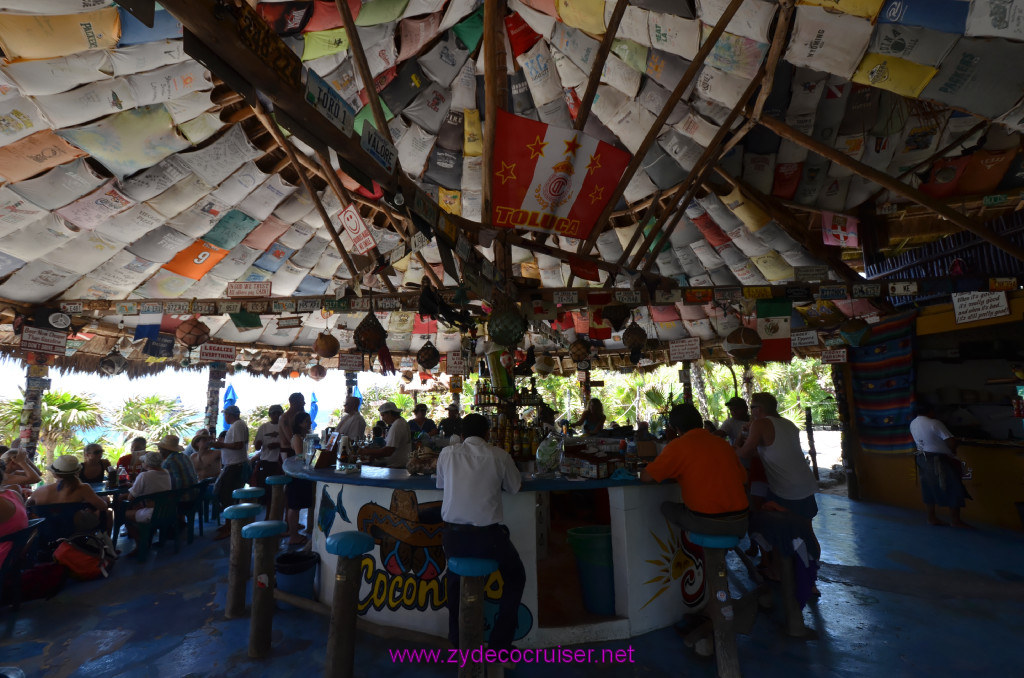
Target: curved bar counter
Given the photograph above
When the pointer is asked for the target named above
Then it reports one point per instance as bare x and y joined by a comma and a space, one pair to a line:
403, 583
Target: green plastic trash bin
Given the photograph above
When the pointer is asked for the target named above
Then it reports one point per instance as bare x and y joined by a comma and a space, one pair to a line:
592, 546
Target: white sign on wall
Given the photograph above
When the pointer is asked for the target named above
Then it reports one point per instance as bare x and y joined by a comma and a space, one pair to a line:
684, 349
971, 306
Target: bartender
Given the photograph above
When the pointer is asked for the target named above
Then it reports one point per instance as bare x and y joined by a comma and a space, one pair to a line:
592, 419
420, 423
397, 443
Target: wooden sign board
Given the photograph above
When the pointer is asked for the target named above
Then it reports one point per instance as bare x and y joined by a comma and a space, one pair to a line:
249, 289
39, 340
684, 349
350, 362
833, 357
216, 353
969, 307
805, 338
456, 362
628, 297
356, 228
289, 322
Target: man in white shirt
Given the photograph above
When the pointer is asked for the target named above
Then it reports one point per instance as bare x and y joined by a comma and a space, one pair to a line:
397, 442
937, 466
234, 452
267, 461
352, 424
473, 475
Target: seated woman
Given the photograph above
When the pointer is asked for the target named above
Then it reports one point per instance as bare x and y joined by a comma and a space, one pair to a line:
68, 489
420, 423
95, 467
153, 479
20, 471
12, 511
593, 418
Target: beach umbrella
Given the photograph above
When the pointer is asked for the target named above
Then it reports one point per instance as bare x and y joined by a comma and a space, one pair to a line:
314, 408
230, 398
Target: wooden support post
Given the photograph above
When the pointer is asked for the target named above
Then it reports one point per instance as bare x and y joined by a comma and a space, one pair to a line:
213, 382
595, 70
239, 566
31, 414
720, 609
794, 616
341, 638
894, 185
495, 93
277, 502
362, 67
261, 619
809, 427
471, 622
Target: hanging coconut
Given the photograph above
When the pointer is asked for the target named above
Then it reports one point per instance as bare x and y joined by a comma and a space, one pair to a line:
371, 337
544, 365
506, 326
317, 372
428, 356
579, 350
743, 344
192, 333
113, 363
635, 338
617, 315
326, 345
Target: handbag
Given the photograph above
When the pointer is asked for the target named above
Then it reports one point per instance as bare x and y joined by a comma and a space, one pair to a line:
86, 556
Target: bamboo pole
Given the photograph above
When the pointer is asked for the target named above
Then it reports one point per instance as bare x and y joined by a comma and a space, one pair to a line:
599, 60
894, 185
363, 68
494, 95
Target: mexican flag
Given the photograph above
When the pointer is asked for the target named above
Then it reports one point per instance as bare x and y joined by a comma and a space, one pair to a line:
773, 320
551, 179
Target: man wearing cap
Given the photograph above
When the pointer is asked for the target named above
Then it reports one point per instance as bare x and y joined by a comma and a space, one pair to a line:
452, 424
397, 442
352, 424
205, 461
267, 444
234, 452
178, 466
473, 475
294, 425
734, 429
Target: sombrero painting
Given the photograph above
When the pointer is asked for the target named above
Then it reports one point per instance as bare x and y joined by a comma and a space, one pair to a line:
409, 534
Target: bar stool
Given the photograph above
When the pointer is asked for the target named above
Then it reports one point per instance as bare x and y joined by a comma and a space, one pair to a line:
240, 515
720, 604
275, 511
248, 493
266, 534
473, 573
341, 639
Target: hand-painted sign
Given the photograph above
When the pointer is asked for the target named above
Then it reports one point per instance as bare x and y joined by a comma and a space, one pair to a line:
355, 227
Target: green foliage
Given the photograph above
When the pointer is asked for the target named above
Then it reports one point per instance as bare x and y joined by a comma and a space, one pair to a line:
153, 417
64, 415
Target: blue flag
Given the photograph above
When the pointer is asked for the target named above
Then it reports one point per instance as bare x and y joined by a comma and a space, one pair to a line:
230, 398
313, 410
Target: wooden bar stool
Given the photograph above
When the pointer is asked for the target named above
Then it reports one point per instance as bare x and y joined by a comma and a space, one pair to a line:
473, 573
266, 534
720, 602
275, 510
240, 515
248, 493
341, 639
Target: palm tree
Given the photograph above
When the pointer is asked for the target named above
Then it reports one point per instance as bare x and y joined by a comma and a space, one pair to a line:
64, 415
153, 417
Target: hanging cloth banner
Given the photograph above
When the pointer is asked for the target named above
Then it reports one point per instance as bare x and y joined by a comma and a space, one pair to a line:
550, 179
839, 230
773, 326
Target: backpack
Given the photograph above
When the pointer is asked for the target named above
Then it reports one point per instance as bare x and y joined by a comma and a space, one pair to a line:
42, 581
87, 556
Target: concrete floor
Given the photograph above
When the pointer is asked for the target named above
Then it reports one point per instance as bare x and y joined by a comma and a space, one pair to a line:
899, 599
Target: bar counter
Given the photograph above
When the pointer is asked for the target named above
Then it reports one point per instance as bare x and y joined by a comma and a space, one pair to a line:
403, 577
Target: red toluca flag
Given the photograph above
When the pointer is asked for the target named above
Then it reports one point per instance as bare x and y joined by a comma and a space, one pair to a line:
839, 229
550, 179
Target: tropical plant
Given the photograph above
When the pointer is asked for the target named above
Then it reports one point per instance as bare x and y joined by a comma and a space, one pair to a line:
64, 415
153, 417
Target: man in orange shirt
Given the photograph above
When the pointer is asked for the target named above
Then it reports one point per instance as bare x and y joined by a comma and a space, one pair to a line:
710, 478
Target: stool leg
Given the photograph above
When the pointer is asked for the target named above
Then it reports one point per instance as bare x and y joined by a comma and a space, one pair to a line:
341, 638
238, 570
261, 619
471, 622
720, 609
794, 616
277, 503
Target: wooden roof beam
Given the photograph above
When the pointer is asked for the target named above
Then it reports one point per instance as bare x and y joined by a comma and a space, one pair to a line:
894, 185
363, 67
602, 55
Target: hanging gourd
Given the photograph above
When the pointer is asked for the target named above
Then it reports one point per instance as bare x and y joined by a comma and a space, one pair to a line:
579, 350
506, 326
635, 339
371, 337
326, 345
192, 332
317, 372
428, 356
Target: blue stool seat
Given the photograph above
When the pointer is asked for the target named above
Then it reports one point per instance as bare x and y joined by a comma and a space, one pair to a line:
278, 480
248, 493
709, 541
472, 567
242, 511
265, 528
349, 544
